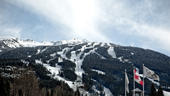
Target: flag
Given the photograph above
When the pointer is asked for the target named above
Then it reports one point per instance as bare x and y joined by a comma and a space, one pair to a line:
137, 76
126, 83
150, 74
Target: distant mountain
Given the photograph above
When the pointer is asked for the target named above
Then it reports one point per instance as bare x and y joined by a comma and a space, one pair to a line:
91, 68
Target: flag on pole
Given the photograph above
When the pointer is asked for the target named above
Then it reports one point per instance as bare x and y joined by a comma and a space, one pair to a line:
137, 76
126, 83
150, 74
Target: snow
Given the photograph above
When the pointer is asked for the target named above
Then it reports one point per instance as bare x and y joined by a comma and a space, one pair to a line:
12, 43
38, 51
102, 44
29, 56
131, 53
120, 58
77, 60
52, 55
0, 50
78, 70
60, 59
73, 58
44, 49
98, 71
63, 52
41, 51
25, 62
31, 43
107, 92
54, 70
111, 52
54, 73
166, 93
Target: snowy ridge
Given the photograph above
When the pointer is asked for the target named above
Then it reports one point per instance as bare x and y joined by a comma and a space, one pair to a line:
31, 43
12, 43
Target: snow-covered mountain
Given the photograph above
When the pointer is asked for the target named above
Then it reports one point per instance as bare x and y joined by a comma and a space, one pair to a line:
15, 43
93, 68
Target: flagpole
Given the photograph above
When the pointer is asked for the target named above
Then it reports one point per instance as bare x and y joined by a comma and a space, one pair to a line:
143, 81
133, 82
125, 82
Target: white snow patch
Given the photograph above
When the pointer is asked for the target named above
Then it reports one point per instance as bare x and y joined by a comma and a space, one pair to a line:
0, 50
120, 58
102, 44
29, 56
52, 55
132, 53
107, 92
54, 70
38, 51
41, 51
166, 93
63, 52
126, 60
98, 71
38, 61
111, 52
60, 59
44, 49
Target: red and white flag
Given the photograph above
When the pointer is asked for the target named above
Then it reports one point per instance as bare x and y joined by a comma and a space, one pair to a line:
137, 76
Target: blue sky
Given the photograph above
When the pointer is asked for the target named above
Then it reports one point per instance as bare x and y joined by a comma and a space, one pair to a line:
141, 23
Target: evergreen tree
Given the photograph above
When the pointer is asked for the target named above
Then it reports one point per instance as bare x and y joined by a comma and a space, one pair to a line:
153, 90
160, 92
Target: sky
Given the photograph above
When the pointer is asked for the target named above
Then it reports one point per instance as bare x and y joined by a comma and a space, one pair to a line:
140, 23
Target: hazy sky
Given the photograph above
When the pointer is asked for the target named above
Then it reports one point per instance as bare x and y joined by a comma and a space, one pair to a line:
141, 23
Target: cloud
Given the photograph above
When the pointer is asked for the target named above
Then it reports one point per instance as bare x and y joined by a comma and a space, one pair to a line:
140, 20
78, 15
7, 30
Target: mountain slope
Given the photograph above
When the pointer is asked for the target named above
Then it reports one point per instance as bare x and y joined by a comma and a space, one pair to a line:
90, 67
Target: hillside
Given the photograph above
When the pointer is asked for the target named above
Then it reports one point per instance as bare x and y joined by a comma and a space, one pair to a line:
93, 68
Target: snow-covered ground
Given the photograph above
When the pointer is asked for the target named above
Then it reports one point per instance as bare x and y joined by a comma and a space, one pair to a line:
111, 52
99, 72
107, 92
166, 93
